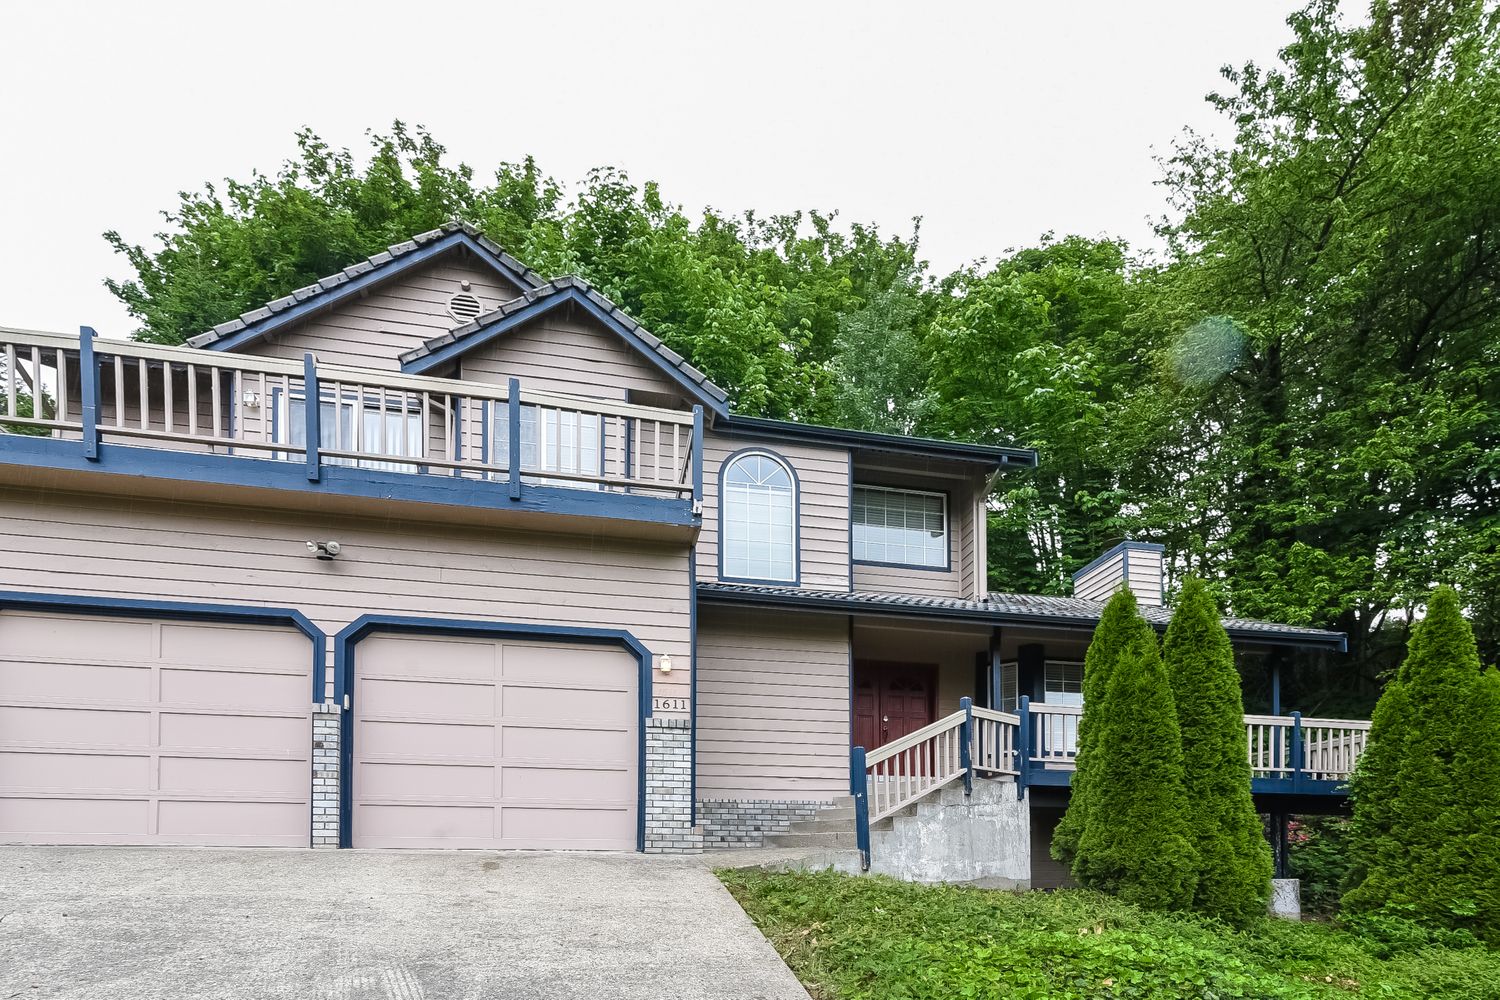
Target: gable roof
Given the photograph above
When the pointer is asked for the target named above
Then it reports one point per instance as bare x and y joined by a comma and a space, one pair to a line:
546, 298
1001, 608
355, 278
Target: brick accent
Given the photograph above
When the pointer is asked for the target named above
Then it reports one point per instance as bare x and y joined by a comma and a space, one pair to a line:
669, 788
327, 733
745, 823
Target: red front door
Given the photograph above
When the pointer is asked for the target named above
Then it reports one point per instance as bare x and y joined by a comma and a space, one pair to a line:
891, 700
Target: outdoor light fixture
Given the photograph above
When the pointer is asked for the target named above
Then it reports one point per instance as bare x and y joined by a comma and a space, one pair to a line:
251, 399
666, 663
324, 550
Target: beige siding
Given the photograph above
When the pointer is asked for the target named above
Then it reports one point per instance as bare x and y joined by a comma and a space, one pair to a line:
373, 331
822, 508
108, 546
957, 579
562, 353
1101, 580
773, 705
1146, 576
949, 648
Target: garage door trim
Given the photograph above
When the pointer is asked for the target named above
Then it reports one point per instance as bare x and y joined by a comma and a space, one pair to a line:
123, 607
343, 684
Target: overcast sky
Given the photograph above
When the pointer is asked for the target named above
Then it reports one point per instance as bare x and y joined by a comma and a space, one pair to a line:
994, 121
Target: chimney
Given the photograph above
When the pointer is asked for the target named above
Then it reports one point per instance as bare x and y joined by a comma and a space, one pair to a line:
1136, 565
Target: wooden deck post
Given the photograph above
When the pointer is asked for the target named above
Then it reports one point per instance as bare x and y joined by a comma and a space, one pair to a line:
88, 385
859, 787
1023, 745
965, 739
312, 410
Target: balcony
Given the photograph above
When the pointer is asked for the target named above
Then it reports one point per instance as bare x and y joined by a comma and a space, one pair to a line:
76, 408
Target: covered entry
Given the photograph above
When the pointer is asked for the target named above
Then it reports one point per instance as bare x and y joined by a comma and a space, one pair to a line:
492, 736
155, 728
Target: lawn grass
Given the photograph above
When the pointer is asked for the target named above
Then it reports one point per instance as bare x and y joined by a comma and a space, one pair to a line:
873, 938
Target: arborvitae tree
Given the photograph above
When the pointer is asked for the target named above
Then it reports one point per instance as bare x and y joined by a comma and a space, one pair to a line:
1119, 625
1135, 836
1427, 791
1234, 860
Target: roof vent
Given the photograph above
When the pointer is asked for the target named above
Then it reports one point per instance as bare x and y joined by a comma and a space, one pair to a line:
464, 307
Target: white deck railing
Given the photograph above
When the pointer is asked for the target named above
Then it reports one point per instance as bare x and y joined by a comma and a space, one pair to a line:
1317, 749
994, 742
1055, 739
918, 764
184, 399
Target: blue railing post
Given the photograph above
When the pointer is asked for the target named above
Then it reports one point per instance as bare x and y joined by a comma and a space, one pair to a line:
859, 787
88, 384
697, 459
513, 435
312, 406
1023, 745
965, 751
1296, 751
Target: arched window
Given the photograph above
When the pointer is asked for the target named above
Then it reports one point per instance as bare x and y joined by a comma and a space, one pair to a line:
758, 524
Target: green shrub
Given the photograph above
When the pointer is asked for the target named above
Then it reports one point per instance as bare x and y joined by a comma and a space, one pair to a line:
1426, 830
1135, 840
1318, 851
1119, 625
1233, 872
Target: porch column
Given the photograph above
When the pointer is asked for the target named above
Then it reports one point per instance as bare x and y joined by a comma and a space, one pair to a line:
1031, 661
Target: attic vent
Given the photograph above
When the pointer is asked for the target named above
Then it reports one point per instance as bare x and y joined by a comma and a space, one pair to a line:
464, 307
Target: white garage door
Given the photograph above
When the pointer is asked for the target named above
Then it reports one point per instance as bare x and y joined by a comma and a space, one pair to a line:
491, 743
143, 731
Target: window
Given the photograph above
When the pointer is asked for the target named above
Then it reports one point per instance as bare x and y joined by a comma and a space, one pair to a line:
901, 527
551, 441
1009, 686
1064, 683
397, 431
757, 526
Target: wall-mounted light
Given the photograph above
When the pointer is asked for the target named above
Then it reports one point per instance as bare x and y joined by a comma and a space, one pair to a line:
324, 550
666, 663
251, 399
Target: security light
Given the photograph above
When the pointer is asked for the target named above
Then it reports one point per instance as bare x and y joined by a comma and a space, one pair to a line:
324, 550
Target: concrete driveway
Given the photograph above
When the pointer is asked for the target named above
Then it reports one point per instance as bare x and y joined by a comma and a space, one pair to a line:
123, 923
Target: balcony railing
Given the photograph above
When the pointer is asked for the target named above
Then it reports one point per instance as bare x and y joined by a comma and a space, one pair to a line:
110, 391
1038, 745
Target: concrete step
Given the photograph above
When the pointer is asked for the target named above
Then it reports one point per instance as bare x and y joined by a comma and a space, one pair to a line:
822, 824
841, 838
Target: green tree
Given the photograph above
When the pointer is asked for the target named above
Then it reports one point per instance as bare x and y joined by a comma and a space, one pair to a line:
1135, 840
1426, 829
1120, 627
1328, 398
1040, 350
1234, 860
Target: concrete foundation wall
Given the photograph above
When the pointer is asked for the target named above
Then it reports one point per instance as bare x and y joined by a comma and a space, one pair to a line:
981, 838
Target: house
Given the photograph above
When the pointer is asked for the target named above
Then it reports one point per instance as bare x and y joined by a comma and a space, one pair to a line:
521, 578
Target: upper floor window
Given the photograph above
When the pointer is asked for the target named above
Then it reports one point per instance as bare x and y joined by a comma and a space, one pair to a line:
900, 527
757, 520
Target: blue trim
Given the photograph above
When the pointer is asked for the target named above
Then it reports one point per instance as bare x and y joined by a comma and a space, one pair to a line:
88, 389
796, 580
692, 682
312, 410
513, 431
697, 446
859, 783
965, 736
380, 484
540, 307
950, 536
133, 608
364, 625
900, 444
1125, 547
1023, 746
328, 299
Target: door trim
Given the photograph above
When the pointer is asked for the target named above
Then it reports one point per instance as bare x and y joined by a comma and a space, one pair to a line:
365, 625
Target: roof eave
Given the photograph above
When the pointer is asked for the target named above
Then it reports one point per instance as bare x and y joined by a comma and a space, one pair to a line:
990, 456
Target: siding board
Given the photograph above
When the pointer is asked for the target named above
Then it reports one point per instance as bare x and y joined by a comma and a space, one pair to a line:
773, 705
107, 546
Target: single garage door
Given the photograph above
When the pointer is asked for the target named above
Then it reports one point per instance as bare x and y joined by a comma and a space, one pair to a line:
144, 731
494, 743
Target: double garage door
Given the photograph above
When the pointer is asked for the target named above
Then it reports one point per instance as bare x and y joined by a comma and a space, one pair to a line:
145, 731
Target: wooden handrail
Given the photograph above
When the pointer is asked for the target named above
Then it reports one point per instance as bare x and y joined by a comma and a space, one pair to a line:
947, 722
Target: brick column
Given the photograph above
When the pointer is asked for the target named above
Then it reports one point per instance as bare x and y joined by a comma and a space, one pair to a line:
327, 733
669, 789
